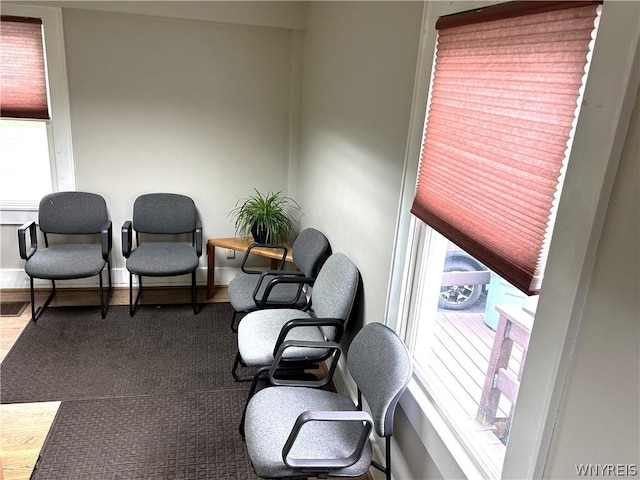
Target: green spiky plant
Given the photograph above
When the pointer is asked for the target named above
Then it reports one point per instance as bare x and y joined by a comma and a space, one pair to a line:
270, 217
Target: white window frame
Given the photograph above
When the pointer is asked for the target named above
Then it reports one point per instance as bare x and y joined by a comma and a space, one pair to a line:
59, 127
608, 102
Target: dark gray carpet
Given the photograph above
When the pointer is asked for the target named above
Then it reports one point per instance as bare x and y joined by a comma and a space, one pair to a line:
71, 353
188, 436
148, 397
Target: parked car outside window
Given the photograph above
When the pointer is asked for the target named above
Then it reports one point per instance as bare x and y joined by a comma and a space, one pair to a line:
464, 295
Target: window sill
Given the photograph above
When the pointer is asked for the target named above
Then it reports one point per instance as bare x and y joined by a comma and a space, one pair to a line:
15, 213
447, 452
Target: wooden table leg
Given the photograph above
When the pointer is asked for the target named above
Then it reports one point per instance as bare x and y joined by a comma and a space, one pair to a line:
211, 266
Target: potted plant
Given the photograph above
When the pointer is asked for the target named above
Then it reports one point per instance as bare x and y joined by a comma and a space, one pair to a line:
268, 217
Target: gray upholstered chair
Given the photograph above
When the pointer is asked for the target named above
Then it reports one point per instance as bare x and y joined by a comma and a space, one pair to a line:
297, 431
260, 333
158, 220
81, 216
279, 288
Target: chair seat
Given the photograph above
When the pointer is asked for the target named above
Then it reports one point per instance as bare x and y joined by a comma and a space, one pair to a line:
258, 332
241, 290
162, 259
271, 414
65, 262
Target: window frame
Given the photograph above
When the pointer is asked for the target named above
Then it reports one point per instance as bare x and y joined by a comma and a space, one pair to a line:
59, 127
579, 224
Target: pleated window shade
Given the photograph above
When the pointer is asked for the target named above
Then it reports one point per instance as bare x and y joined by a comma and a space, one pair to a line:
23, 81
502, 109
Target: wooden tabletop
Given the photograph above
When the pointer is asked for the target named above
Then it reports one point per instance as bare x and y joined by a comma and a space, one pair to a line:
241, 244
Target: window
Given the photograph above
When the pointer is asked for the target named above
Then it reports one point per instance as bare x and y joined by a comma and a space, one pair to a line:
505, 92
462, 339
421, 255
36, 156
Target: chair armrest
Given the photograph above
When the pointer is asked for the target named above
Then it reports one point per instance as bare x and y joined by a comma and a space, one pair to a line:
276, 277
198, 238
106, 238
337, 323
280, 362
274, 246
322, 464
22, 240
127, 237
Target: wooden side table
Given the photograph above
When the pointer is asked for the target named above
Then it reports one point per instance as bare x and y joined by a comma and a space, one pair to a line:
239, 244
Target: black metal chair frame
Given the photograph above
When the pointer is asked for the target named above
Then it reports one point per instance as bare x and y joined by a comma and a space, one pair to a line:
127, 237
358, 416
106, 240
269, 279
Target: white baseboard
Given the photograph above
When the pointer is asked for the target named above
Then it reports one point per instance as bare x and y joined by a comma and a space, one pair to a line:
17, 278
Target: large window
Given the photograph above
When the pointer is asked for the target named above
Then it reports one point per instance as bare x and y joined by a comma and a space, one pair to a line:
506, 88
36, 154
454, 387
469, 336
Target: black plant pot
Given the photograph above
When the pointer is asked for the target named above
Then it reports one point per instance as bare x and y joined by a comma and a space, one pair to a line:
260, 233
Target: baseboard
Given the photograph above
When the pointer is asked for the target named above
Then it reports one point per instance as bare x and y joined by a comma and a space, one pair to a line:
17, 278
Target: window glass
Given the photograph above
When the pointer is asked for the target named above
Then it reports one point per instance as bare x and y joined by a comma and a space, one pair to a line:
25, 172
469, 341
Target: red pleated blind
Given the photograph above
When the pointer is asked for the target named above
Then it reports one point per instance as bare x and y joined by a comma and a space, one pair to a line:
502, 108
23, 81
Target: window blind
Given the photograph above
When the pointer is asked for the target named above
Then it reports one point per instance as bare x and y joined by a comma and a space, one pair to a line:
23, 81
504, 99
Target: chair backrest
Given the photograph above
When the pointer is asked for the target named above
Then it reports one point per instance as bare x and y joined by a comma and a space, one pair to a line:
334, 291
72, 213
164, 213
309, 250
380, 364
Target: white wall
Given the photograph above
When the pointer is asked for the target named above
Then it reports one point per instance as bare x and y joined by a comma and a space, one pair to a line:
359, 68
176, 105
599, 417
284, 14
358, 77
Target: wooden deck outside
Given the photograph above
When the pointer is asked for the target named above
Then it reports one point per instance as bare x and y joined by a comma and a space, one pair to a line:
458, 367
463, 349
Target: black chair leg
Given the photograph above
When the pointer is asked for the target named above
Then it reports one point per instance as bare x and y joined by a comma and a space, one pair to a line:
233, 322
194, 293
104, 303
133, 305
252, 391
236, 363
36, 313
386, 468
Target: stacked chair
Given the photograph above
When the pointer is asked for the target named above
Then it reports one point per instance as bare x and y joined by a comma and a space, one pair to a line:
279, 288
292, 430
83, 232
159, 219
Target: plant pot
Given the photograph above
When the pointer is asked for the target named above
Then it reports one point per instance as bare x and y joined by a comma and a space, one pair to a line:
260, 234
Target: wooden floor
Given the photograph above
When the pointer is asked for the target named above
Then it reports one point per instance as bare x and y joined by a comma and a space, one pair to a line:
24, 427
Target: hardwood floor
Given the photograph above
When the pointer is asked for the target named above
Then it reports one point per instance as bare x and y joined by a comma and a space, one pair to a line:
24, 427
